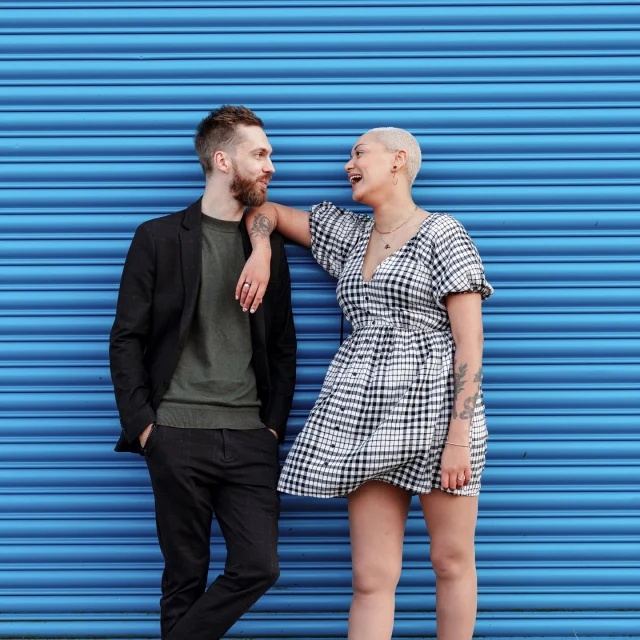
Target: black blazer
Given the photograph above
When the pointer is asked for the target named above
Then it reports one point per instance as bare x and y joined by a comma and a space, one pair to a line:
156, 303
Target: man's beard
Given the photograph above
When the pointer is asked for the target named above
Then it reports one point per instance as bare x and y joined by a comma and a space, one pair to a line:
247, 191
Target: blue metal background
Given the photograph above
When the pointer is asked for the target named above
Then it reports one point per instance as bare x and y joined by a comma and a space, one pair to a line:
529, 118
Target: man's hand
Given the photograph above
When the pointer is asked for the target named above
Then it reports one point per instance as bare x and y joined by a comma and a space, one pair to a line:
144, 436
254, 279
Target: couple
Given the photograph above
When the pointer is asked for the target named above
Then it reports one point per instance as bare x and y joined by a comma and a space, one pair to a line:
204, 389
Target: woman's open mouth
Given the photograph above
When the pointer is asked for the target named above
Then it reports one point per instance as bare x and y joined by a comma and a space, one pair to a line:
354, 179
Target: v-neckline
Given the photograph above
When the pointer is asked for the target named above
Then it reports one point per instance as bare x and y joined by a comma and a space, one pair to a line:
393, 253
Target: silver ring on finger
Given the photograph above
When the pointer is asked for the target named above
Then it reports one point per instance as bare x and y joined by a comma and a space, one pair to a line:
460, 478
246, 284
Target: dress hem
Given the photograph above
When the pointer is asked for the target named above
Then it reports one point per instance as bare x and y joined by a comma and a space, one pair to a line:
413, 491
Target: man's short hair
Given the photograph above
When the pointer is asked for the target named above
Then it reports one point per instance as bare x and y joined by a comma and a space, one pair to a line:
219, 132
400, 140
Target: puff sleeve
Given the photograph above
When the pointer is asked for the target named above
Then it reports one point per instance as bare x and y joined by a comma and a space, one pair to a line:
457, 267
334, 233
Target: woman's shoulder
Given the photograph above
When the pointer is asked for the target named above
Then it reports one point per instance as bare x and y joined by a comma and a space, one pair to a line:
328, 207
442, 226
438, 231
334, 233
328, 213
437, 228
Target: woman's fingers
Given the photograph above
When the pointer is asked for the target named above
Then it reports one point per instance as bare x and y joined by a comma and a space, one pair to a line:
248, 295
456, 479
257, 301
253, 281
455, 468
467, 476
240, 286
449, 480
246, 288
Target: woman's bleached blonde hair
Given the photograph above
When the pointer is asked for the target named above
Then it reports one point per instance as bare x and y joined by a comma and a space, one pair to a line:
400, 140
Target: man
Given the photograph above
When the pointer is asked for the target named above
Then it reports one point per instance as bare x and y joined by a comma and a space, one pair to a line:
204, 389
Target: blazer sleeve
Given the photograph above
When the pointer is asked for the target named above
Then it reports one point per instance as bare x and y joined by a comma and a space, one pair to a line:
281, 352
129, 336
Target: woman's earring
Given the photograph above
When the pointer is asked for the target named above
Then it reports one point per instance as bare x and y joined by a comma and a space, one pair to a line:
395, 178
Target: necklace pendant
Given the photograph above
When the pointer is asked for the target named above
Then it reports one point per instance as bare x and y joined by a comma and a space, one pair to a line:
387, 246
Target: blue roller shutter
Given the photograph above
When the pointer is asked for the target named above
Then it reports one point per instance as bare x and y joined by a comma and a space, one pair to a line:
529, 118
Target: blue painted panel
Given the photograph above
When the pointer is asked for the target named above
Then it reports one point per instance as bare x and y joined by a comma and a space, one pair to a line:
528, 116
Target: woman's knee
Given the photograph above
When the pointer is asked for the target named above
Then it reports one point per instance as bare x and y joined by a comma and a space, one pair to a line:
376, 577
451, 561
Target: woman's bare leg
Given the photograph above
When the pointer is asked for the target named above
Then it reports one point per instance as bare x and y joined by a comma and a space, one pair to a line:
451, 521
377, 518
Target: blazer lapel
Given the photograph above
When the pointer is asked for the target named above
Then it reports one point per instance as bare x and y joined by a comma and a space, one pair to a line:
191, 253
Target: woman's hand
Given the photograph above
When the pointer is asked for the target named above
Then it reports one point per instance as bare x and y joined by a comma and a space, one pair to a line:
254, 279
455, 467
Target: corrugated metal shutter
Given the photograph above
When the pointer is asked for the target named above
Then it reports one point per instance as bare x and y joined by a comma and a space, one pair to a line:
529, 118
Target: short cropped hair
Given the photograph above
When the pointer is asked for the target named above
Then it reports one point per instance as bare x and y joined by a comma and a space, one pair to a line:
400, 140
219, 131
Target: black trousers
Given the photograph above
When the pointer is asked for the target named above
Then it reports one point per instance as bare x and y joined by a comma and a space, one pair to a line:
233, 474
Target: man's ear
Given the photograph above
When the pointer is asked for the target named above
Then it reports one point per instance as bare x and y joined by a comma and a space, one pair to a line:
222, 161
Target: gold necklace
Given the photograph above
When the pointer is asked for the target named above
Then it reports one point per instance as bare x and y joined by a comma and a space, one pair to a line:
387, 245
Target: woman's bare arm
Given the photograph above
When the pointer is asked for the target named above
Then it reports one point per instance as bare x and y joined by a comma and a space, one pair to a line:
261, 222
465, 316
291, 223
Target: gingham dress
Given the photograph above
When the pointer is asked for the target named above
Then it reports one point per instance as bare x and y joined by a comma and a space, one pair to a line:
384, 408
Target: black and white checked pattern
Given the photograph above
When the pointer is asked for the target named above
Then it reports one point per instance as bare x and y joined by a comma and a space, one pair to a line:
384, 408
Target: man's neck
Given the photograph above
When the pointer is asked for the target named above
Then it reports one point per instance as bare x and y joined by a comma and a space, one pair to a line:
220, 204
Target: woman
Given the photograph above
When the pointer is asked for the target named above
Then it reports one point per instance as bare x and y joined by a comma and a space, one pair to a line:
401, 410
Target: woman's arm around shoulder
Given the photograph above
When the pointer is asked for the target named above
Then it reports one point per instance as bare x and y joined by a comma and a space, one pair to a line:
291, 223
261, 222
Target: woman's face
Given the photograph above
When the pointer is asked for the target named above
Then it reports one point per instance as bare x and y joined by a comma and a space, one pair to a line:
370, 170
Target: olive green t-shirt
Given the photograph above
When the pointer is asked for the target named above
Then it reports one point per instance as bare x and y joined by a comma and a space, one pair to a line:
214, 385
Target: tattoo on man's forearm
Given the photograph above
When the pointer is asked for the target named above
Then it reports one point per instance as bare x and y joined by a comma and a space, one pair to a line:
261, 227
478, 377
469, 408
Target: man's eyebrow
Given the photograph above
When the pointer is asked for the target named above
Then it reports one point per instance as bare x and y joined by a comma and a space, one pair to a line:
263, 149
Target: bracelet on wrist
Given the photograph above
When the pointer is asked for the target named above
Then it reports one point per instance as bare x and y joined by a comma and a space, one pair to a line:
457, 444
